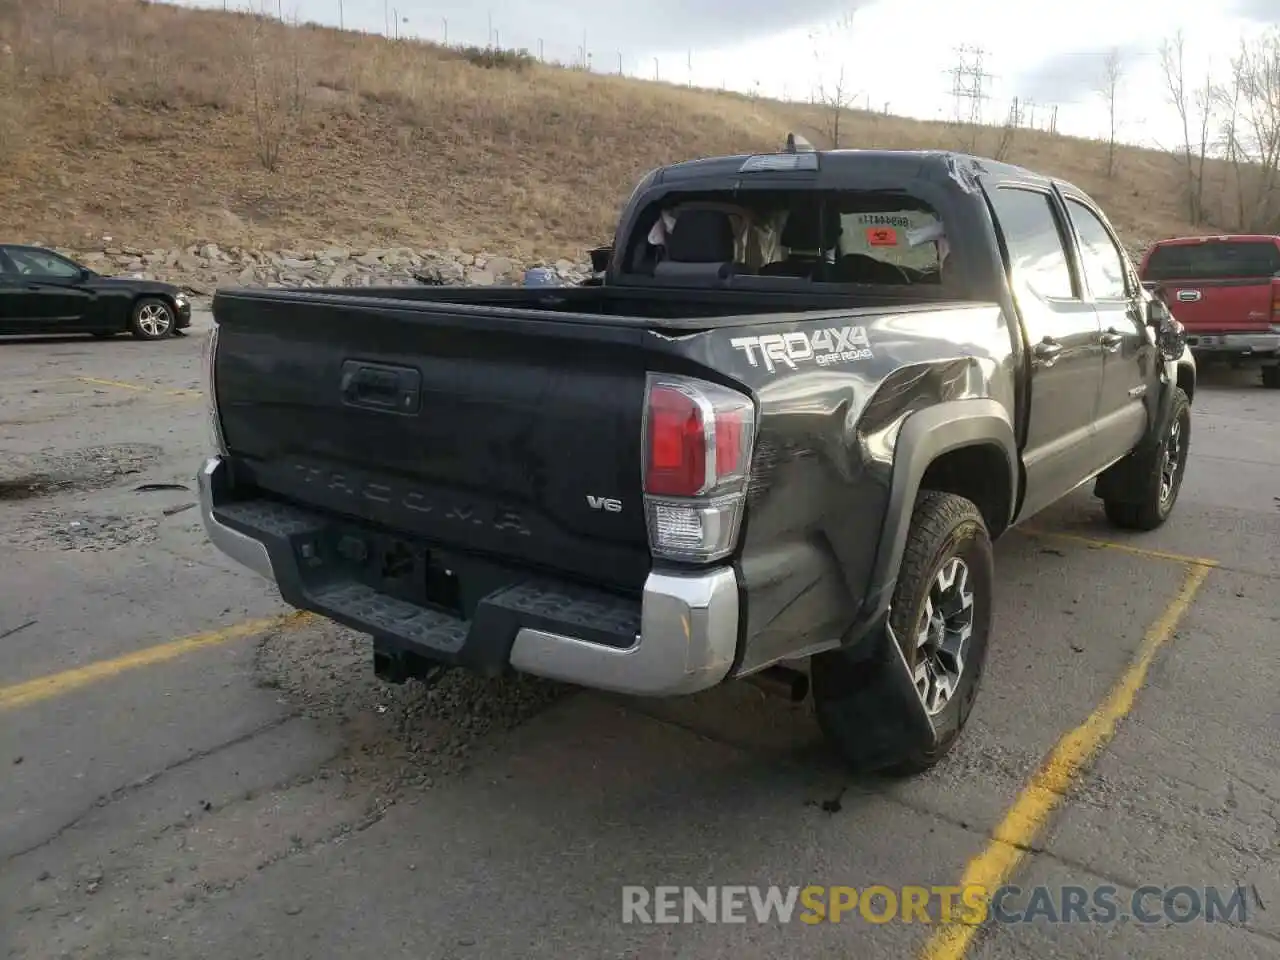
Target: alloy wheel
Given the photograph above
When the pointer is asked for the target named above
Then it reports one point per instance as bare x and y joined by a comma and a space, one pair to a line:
942, 642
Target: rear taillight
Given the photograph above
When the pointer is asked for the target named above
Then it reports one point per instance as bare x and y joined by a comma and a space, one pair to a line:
698, 439
211, 394
1275, 305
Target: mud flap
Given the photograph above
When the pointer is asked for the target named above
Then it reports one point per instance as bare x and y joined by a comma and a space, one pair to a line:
1127, 481
872, 707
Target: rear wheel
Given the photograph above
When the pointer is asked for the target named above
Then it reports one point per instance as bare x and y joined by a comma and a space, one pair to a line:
1162, 480
152, 319
941, 615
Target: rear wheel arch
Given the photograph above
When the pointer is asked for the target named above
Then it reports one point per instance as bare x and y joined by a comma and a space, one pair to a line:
167, 298
962, 447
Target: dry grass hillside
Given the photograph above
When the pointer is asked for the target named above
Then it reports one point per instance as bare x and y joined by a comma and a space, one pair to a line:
161, 126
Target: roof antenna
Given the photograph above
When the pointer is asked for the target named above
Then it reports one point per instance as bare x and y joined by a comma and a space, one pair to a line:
798, 144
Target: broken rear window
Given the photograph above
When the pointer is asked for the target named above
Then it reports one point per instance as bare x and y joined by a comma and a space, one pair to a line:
816, 237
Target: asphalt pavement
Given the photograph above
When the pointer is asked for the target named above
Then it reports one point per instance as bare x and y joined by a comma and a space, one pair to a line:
188, 770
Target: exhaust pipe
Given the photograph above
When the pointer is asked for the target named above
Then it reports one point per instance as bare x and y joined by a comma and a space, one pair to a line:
780, 681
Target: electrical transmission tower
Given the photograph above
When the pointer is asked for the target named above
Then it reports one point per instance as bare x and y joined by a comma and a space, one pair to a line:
969, 84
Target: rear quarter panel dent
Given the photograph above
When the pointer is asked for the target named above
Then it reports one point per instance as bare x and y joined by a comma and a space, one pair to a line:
822, 481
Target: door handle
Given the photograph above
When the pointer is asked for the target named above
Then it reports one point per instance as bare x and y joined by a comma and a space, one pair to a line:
380, 386
1046, 351
1111, 341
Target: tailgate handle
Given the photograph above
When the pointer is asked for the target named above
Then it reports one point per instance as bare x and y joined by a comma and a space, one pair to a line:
380, 386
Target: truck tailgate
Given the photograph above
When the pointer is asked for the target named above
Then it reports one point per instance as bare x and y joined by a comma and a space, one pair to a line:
1209, 306
495, 435
1216, 284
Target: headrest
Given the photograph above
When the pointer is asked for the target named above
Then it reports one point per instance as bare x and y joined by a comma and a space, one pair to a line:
801, 231
701, 236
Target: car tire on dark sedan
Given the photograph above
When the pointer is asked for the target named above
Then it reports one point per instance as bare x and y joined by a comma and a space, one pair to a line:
152, 319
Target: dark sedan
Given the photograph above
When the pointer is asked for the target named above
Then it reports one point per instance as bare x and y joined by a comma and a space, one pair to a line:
44, 292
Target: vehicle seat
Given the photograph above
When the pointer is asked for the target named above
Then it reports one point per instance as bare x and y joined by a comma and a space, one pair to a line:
700, 245
802, 232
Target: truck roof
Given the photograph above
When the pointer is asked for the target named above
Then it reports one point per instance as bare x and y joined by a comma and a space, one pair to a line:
927, 164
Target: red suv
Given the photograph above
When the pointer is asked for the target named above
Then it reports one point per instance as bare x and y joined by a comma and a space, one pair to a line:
1226, 292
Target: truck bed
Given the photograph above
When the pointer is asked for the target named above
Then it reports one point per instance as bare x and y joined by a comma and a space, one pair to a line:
445, 444
649, 308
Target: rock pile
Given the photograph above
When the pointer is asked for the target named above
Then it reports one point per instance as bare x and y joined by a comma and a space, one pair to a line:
203, 268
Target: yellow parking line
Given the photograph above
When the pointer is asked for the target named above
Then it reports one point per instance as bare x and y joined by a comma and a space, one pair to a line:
1116, 545
1030, 812
139, 388
54, 685
114, 383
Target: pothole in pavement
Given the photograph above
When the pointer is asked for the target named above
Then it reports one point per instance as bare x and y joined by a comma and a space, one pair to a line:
410, 735
76, 530
44, 474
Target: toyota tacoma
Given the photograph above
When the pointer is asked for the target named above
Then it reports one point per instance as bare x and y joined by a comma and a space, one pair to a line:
774, 442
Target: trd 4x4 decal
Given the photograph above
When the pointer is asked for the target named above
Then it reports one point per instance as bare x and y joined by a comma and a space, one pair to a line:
824, 347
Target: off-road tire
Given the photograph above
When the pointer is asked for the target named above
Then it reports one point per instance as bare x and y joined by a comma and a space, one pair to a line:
1271, 377
943, 526
1152, 508
153, 318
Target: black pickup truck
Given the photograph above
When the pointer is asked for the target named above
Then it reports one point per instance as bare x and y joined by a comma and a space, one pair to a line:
775, 441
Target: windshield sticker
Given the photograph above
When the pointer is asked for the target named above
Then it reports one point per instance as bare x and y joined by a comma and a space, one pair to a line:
825, 347
884, 220
882, 236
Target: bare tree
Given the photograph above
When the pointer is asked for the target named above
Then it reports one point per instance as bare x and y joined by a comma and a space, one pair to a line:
1207, 98
1006, 133
1232, 134
277, 87
1171, 62
1196, 110
1251, 132
1109, 90
834, 90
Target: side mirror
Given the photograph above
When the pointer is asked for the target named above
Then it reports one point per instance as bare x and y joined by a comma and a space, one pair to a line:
1171, 336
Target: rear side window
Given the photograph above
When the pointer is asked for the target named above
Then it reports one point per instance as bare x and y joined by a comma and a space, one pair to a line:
36, 263
1036, 254
1213, 260
1103, 263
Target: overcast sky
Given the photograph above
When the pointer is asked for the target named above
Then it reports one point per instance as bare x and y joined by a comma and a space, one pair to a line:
898, 52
